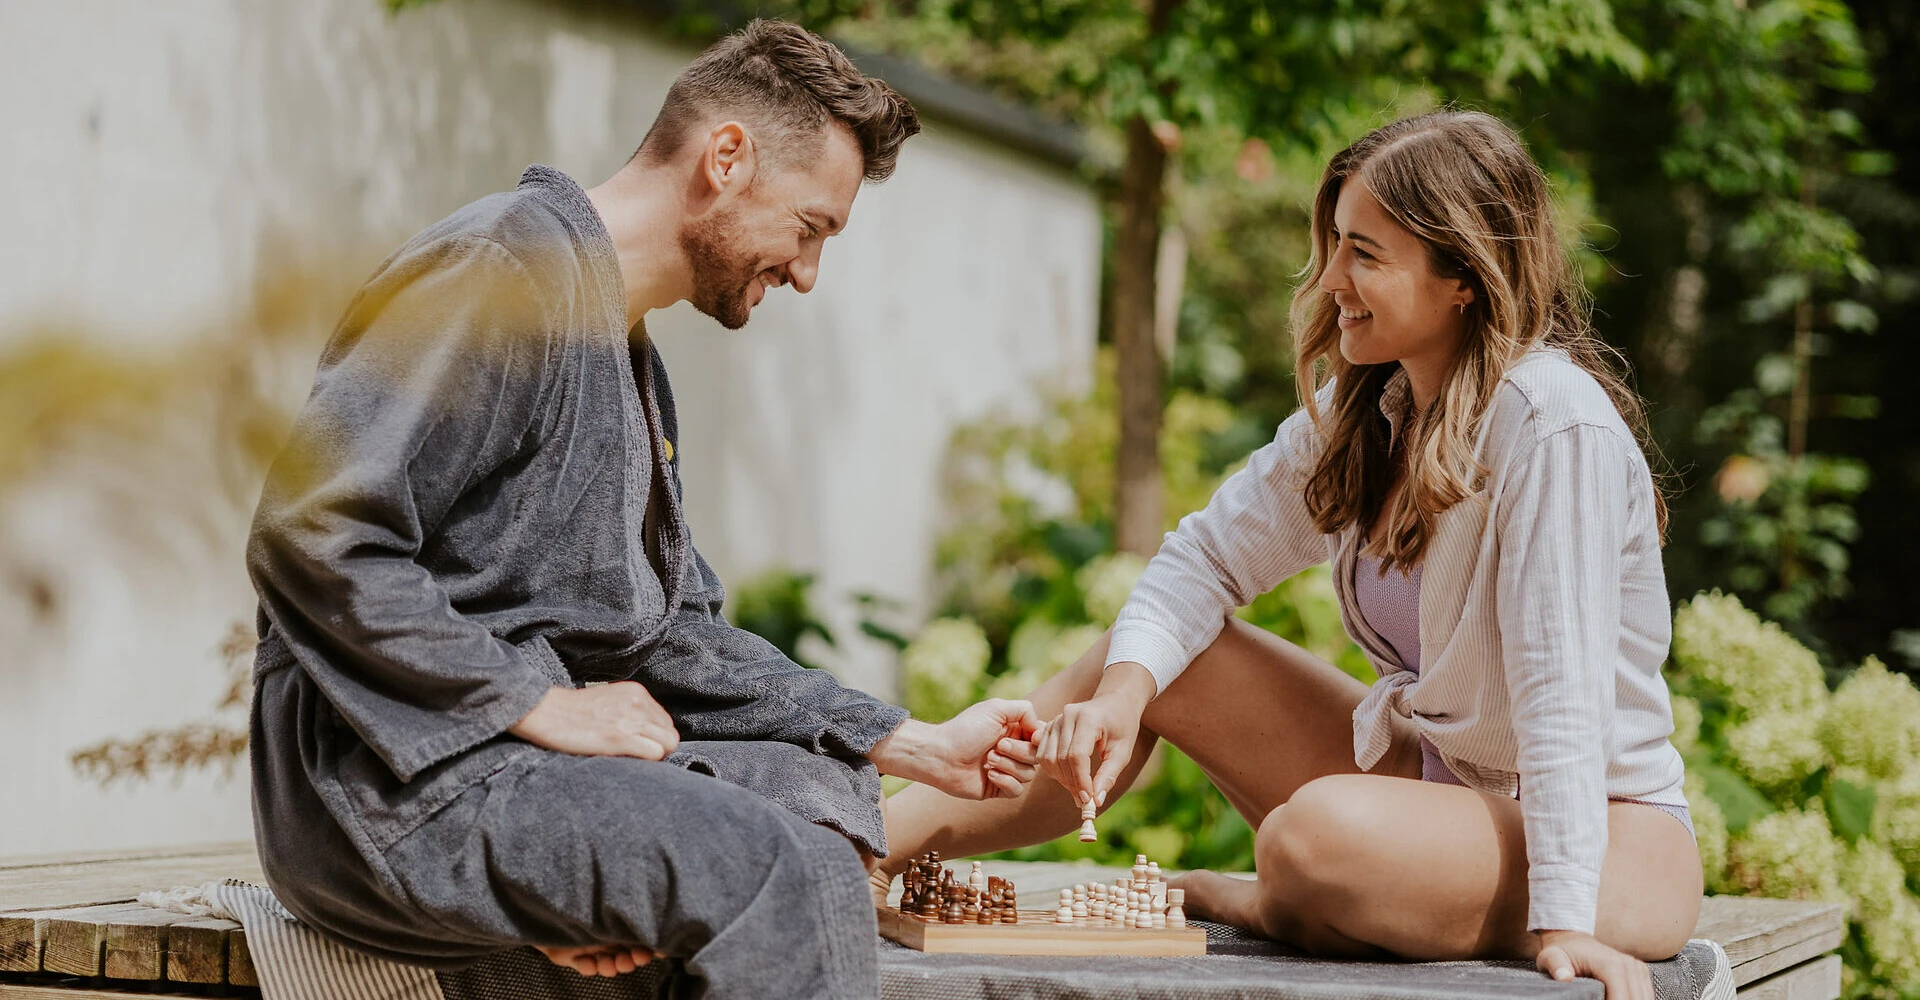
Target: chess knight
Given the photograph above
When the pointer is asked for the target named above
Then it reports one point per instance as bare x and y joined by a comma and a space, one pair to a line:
479, 514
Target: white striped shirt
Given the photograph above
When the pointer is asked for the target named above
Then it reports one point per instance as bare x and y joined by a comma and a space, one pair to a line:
1543, 615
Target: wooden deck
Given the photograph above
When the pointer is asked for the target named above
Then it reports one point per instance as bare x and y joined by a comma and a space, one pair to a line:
69, 929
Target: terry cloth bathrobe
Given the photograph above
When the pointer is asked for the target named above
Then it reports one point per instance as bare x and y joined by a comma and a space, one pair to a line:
480, 501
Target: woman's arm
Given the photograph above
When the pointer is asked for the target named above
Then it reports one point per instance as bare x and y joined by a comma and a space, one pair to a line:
1562, 521
1254, 533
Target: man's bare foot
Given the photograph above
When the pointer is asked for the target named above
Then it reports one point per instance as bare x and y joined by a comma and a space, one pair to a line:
598, 960
1221, 899
880, 881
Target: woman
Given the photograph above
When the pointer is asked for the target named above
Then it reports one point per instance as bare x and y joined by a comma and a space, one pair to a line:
1469, 464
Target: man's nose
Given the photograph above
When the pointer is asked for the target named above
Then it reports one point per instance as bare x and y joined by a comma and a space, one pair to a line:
804, 270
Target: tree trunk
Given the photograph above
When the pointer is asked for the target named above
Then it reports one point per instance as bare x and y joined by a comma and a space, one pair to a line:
1138, 502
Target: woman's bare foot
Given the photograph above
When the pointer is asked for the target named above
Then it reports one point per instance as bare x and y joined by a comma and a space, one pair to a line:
1221, 898
880, 882
598, 960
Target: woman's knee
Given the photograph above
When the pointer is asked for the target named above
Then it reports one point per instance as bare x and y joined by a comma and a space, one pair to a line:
1321, 834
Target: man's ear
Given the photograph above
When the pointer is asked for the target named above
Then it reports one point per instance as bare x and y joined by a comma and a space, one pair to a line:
729, 160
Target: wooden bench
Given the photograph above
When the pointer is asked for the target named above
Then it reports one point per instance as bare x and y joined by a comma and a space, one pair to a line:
70, 930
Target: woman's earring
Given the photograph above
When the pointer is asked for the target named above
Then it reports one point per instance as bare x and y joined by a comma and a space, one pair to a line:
1463, 308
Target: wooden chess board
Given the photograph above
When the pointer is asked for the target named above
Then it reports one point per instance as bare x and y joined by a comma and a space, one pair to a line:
1037, 934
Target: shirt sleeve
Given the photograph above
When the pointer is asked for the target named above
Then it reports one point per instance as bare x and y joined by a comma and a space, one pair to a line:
431, 384
1562, 523
720, 682
1253, 533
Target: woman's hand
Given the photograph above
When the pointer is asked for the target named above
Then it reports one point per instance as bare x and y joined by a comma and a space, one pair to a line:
619, 719
1566, 954
982, 753
1087, 747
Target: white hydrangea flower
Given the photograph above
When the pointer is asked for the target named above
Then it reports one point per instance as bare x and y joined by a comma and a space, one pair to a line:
1069, 645
1873, 877
1686, 724
1779, 749
1709, 831
943, 666
1896, 820
1894, 941
1105, 582
1873, 722
1790, 854
1027, 647
1759, 666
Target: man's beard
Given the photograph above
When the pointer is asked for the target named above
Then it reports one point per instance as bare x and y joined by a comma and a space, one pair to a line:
721, 277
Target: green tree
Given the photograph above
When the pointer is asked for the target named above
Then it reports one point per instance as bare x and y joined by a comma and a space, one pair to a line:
1149, 73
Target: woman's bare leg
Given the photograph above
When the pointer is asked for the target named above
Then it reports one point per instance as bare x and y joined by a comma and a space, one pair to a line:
1363, 865
1260, 715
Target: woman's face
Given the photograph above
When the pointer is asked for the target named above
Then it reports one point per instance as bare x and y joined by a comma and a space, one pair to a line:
1393, 307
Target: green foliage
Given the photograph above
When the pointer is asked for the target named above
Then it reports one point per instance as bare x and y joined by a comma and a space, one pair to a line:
778, 606
1800, 793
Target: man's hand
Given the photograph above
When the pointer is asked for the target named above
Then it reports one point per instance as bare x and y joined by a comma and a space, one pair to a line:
983, 753
613, 720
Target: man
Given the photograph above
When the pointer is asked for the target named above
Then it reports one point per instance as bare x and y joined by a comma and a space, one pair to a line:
479, 512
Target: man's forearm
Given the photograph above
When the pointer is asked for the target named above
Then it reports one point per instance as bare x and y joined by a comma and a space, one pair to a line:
908, 752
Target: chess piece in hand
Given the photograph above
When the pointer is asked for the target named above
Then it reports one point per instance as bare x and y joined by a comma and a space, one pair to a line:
1089, 744
984, 752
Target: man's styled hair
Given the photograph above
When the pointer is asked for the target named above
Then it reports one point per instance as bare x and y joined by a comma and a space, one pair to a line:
785, 84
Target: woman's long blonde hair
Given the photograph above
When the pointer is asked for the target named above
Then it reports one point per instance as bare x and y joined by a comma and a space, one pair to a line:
1463, 183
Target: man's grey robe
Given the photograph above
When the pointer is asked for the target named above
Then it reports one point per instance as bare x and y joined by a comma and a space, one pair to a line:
478, 502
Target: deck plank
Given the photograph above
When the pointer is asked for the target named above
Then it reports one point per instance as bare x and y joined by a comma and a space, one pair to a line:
1815, 980
197, 950
1752, 929
38, 884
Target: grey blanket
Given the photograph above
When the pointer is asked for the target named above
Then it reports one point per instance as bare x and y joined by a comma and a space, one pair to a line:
295, 963
1236, 965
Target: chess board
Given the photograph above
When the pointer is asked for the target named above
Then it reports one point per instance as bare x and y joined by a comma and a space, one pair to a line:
1037, 934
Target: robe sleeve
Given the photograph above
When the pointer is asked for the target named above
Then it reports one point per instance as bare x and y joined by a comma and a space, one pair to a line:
431, 384
721, 682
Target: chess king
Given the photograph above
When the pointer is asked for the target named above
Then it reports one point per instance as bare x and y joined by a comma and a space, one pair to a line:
479, 512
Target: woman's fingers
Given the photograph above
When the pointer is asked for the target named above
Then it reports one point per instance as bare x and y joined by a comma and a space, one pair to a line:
1555, 962
1087, 738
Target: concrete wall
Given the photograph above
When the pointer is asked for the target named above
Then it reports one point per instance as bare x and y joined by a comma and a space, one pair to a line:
168, 166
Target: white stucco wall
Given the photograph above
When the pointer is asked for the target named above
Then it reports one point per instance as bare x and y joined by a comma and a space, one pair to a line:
162, 162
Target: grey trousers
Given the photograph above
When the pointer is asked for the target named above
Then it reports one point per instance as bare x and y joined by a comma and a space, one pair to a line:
749, 899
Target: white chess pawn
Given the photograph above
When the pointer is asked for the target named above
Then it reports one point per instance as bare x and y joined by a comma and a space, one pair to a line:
1176, 908
1065, 914
1143, 917
978, 878
1096, 901
1080, 900
1087, 811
